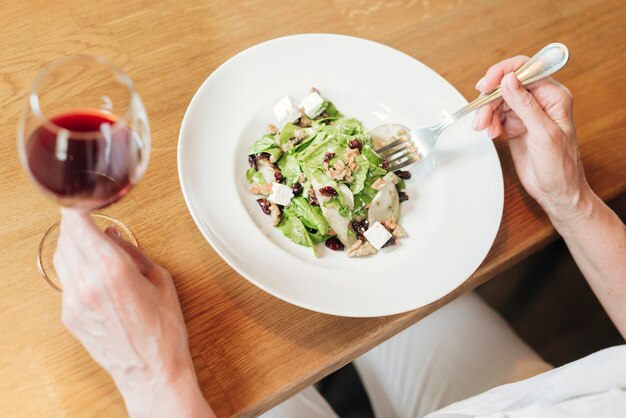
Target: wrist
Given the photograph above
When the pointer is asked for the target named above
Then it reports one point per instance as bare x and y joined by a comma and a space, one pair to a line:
166, 396
566, 213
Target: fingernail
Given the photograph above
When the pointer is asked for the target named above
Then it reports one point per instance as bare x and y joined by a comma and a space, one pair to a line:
512, 82
479, 83
112, 230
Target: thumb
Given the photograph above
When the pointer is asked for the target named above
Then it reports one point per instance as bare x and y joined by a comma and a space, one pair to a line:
524, 104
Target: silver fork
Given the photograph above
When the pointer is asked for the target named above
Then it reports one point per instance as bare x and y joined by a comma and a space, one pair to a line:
408, 147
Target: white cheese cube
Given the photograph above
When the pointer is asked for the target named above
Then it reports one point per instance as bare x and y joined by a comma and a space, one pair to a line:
281, 194
286, 112
377, 235
312, 104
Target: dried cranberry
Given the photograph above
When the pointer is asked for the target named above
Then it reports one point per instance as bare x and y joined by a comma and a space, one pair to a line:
297, 189
252, 161
328, 191
359, 228
278, 176
403, 174
356, 227
356, 144
328, 156
265, 206
365, 224
313, 199
384, 164
334, 244
392, 241
403, 196
264, 155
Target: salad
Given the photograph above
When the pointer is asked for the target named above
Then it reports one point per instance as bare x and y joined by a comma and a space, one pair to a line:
316, 174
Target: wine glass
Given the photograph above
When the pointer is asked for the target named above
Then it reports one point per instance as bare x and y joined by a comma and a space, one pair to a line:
84, 140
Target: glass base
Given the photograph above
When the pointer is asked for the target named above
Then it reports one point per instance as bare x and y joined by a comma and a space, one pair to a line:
48, 245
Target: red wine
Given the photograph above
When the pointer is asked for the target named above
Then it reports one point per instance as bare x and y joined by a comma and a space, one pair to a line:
83, 158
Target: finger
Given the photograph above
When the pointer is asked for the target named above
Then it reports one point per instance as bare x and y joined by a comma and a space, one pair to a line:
524, 104
84, 235
144, 264
494, 74
542, 84
484, 114
64, 270
556, 101
495, 125
94, 257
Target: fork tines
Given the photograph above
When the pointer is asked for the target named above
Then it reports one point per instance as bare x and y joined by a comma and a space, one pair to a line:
399, 153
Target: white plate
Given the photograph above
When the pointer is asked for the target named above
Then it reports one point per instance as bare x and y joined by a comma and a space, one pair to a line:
456, 196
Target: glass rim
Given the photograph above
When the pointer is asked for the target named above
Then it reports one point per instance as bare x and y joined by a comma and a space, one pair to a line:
45, 120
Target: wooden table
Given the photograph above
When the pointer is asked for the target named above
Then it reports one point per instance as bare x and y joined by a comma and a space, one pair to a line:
252, 350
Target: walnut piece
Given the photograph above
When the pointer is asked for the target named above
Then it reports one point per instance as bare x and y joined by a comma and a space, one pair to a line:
266, 189
272, 129
351, 154
300, 134
378, 184
400, 232
395, 228
305, 121
276, 215
361, 249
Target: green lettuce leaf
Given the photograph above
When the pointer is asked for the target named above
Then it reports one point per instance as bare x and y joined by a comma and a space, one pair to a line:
311, 216
294, 229
254, 176
262, 145
371, 156
366, 195
332, 111
318, 237
275, 154
359, 175
250, 173
289, 166
287, 132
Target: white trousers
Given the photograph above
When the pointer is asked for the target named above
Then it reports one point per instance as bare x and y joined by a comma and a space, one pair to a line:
461, 350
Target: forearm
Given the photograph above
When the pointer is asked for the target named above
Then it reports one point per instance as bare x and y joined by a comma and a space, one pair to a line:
596, 238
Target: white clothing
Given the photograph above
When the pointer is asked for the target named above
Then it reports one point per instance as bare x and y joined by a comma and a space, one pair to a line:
589, 387
459, 351
306, 404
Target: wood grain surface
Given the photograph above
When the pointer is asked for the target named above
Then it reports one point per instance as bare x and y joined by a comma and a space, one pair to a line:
252, 350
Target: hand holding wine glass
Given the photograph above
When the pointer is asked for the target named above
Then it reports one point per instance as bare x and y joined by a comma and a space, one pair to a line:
124, 310
84, 139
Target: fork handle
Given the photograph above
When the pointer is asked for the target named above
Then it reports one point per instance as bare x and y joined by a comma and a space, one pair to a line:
548, 61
